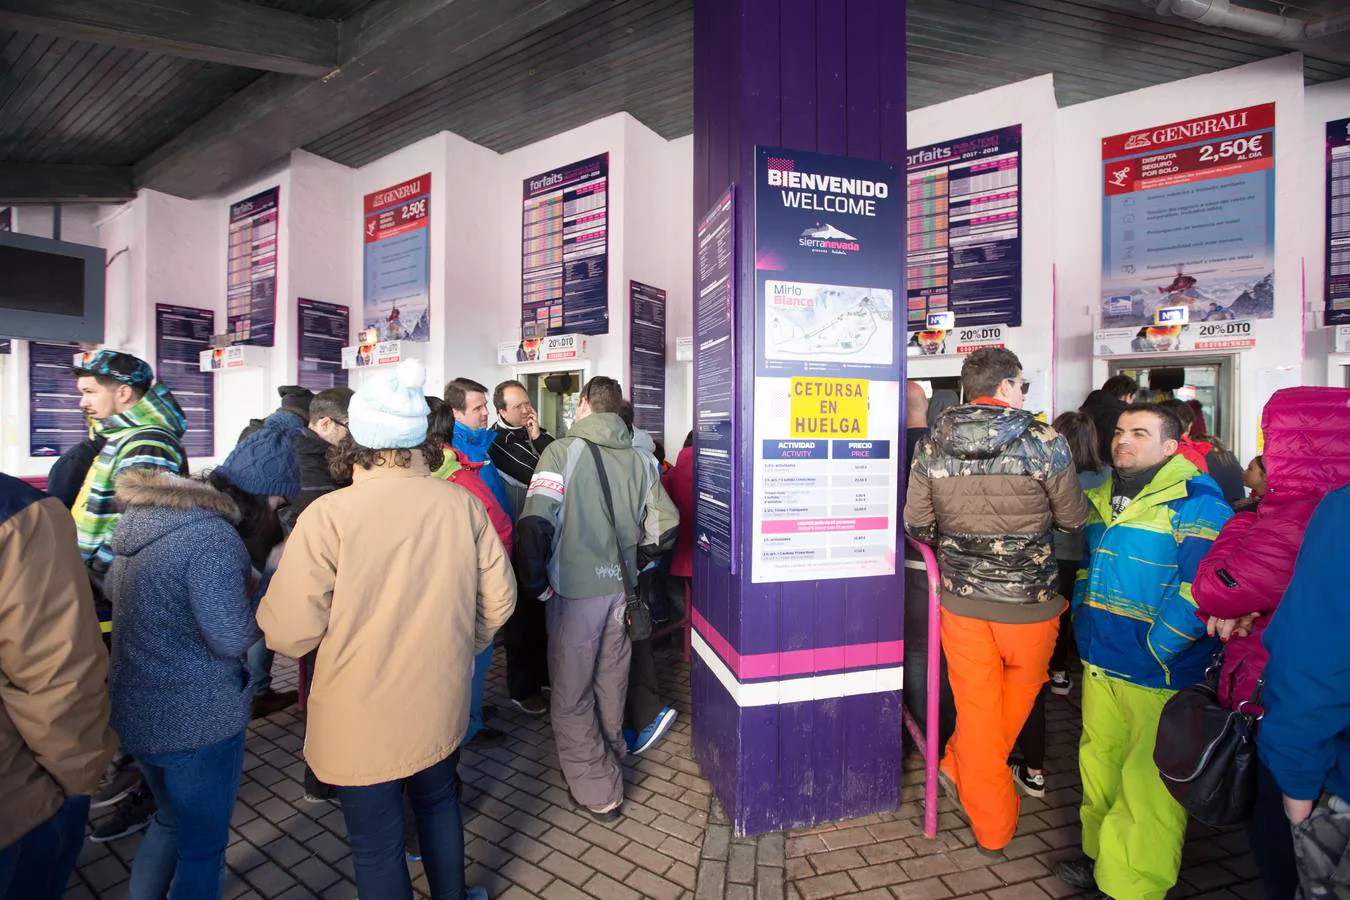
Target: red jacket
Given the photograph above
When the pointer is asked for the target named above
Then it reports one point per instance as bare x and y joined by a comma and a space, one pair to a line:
458, 470
679, 484
1307, 454
1195, 452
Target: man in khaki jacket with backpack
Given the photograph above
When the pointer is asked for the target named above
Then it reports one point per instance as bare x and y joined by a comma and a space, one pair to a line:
568, 555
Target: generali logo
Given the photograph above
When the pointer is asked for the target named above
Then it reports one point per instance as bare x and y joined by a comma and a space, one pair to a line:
1139, 141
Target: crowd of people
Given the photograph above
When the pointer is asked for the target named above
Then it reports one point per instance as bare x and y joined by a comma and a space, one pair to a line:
387, 540
1124, 531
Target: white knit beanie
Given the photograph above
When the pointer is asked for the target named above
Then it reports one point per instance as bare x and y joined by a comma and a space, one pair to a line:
390, 411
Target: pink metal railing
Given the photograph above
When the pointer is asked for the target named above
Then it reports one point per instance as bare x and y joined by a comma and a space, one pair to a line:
927, 737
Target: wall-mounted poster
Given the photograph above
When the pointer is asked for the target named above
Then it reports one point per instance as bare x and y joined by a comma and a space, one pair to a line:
829, 366
1188, 219
964, 237
181, 334
397, 233
647, 358
715, 485
251, 269
324, 331
1338, 223
55, 423
565, 251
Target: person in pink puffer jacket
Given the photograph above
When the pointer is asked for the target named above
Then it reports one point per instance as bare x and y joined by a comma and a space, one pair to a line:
1241, 580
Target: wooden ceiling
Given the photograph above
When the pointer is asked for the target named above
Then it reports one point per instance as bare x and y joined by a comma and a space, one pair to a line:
193, 99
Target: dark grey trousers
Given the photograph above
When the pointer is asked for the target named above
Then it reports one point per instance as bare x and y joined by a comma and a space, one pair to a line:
588, 659
1322, 849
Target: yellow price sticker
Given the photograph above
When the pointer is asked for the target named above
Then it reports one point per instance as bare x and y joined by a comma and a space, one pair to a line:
829, 408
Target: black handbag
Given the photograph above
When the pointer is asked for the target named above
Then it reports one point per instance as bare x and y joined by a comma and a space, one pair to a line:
1206, 752
637, 614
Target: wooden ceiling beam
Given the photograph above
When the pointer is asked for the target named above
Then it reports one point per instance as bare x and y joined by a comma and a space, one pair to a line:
38, 183
220, 31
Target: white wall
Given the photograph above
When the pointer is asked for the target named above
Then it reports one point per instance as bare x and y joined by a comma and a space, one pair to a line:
1078, 219
1030, 104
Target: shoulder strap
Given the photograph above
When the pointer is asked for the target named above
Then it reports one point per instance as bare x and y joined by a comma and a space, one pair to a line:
609, 511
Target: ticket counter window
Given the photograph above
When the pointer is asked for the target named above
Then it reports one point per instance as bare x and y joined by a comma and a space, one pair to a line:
555, 396
1211, 382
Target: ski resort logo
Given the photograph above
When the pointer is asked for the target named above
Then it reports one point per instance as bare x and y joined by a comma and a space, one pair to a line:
828, 239
827, 232
1139, 141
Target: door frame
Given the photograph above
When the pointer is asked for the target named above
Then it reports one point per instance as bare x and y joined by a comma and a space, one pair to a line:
1229, 382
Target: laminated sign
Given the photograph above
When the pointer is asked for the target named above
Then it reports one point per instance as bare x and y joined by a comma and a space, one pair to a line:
829, 407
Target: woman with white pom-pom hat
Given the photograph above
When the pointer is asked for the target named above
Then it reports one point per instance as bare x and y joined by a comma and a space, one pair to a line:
398, 581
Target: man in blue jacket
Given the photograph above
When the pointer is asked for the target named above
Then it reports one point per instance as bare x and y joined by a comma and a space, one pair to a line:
1304, 738
1141, 641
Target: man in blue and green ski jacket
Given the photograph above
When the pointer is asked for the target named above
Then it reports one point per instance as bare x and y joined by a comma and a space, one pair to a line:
1141, 641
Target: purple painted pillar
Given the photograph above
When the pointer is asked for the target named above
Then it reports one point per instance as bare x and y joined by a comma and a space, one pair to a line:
826, 76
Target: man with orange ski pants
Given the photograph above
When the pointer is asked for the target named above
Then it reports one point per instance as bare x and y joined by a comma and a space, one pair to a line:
985, 489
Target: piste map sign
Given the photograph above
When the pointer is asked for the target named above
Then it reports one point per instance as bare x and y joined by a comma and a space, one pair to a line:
828, 367
1188, 219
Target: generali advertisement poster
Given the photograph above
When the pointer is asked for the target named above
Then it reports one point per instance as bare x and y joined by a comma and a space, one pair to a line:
1338, 223
828, 367
397, 233
1188, 219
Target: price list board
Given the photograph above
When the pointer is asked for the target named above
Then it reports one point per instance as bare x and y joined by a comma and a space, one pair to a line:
647, 357
324, 330
181, 334
565, 250
964, 231
55, 423
715, 504
251, 269
1338, 223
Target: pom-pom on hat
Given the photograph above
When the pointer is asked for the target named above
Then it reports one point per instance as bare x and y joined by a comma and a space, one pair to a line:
265, 463
390, 411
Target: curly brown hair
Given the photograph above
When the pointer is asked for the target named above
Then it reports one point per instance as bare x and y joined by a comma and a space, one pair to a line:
348, 455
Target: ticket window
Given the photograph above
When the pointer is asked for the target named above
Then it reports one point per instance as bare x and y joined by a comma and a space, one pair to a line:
1210, 381
555, 396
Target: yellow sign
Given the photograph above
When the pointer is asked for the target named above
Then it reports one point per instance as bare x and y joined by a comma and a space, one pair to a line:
829, 408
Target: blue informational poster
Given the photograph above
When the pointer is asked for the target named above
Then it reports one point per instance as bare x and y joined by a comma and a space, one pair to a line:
964, 241
55, 423
829, 365
715, 504
325, 329
1338, 223
251, 269
181, 334
397, 259
1188, 219
565, 251
647, 358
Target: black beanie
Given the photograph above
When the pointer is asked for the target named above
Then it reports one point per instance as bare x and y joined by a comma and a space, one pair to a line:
296, 399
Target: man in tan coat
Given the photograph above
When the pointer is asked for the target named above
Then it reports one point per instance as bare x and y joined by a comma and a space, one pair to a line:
398, 581
54, 735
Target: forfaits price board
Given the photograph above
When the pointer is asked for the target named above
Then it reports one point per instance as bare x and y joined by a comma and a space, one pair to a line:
1188, 219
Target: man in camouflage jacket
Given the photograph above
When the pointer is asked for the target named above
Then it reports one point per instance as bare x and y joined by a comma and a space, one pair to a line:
985, 490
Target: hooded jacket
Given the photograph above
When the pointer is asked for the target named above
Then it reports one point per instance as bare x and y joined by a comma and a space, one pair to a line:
399, 581
564, 537
182, 616
148, 435
1133, 612
515, 456
54, 735
458, 470
985, 489
1307, 454
476, 446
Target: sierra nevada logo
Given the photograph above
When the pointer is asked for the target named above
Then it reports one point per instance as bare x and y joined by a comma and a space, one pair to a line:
828, 239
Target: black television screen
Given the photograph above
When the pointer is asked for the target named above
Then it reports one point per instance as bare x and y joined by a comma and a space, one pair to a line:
50, 290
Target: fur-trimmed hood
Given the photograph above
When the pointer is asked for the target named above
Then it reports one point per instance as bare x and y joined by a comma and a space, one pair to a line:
156, 503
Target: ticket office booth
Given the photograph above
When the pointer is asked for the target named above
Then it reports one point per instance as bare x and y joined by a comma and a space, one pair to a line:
555, 391
1212, 380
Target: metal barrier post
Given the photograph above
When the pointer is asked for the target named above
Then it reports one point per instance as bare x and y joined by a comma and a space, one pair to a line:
927, 740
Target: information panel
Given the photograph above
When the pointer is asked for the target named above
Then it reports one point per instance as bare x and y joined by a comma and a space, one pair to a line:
828, 366
1338, 223
397, 260
964, 237
324, 330
251, 267
181, 334
1188, 219
715, 504
647, 358
565, 251
55, 423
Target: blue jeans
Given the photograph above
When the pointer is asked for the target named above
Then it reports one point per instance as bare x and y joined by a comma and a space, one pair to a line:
260, 667
185, 845
38, 865
374, 816
481, 663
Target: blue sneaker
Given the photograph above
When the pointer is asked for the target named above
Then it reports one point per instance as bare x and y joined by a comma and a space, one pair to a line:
630, 738
650, 736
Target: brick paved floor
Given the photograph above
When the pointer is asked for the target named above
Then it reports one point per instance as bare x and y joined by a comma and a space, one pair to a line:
523, 840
